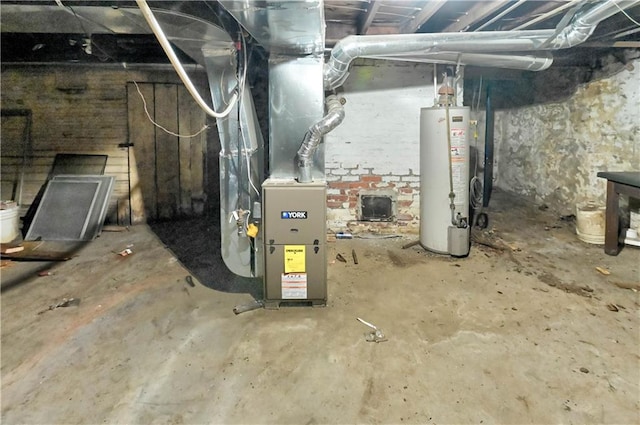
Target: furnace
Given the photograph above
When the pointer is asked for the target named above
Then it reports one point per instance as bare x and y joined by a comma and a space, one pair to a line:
294, 227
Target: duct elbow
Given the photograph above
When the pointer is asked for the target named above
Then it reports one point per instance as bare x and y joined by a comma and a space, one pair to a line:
336, 69
572, 36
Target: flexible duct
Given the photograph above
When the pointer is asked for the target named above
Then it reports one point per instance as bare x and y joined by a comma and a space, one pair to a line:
313, 137
354, 46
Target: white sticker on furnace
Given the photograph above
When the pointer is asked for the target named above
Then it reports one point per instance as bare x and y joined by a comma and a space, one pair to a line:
294, 286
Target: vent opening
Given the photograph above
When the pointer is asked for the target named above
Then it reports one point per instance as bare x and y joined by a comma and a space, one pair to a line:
377, 207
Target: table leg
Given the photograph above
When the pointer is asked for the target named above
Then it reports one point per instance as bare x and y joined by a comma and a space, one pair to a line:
612, 225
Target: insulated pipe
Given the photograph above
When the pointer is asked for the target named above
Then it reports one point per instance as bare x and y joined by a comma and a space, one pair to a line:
335, 115
354, 46
173, 58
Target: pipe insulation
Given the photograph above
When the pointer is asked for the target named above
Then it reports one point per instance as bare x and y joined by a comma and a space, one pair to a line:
396, 45
313, 137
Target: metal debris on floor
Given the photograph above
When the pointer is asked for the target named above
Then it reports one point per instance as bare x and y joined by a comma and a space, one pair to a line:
243, 308
65, 302
376, 335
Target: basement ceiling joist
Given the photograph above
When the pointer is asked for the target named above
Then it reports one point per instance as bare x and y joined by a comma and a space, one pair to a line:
343, 18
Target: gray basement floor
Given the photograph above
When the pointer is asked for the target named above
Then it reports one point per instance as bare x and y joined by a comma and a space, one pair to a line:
529, 332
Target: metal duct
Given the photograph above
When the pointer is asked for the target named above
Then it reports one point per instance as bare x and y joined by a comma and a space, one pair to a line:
293, 27
354, 46
351, 47
241, 158
585, 23
313, 137
522, 62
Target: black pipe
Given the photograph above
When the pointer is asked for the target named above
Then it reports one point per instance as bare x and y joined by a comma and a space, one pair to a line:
488, 149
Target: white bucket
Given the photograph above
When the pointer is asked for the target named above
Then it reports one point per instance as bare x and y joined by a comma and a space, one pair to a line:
634, 220
9, 224
590, 222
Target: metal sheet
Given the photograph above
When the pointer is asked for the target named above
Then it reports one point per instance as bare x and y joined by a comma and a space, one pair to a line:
78, 164
296, 102
190, 33
293, 27
241, 159
72, 208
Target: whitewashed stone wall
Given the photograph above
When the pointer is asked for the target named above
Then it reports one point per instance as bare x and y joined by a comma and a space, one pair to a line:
553, 152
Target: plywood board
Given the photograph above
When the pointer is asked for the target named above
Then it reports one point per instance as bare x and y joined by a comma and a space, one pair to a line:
185, 105
142, 155
167, 151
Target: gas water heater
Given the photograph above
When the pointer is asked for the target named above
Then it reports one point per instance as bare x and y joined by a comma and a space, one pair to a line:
444, 179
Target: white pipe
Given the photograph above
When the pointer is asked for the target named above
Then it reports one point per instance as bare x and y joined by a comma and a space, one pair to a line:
166, 46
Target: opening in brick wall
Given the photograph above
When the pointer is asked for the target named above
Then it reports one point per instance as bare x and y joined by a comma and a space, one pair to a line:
377, 206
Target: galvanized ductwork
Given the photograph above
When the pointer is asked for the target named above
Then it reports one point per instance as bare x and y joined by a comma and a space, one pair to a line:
335, 115
412, 46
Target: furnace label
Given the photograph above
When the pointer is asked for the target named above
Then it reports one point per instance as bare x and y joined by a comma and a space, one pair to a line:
294, 259
294, 286
288, 215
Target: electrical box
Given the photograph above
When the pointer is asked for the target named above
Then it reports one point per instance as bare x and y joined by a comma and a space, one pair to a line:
294, 229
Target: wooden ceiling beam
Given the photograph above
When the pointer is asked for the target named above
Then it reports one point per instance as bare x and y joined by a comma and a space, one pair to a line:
478, 12
369, 15
429, 9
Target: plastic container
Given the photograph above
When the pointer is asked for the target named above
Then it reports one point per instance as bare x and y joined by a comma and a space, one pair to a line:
9, 224
590, 222
634, 219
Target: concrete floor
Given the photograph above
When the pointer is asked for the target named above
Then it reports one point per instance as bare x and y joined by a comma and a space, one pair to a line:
522, 335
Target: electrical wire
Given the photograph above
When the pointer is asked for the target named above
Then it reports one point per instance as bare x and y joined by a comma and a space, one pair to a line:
625, 13
475, 192
475, 185
146, 111
242, 85
175, 61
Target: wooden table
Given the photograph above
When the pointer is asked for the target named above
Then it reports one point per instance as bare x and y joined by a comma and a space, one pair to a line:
625, 183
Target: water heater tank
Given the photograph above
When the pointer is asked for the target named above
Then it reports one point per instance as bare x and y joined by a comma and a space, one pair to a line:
437, 232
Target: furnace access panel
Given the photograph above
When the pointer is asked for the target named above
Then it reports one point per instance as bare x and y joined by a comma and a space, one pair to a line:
294, 225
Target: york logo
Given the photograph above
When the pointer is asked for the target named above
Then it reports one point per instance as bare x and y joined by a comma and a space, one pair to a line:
293, 214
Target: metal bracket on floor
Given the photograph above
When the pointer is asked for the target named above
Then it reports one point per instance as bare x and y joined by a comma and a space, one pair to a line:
243, 308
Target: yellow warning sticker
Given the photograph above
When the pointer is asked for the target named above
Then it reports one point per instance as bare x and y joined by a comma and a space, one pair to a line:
294, 259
